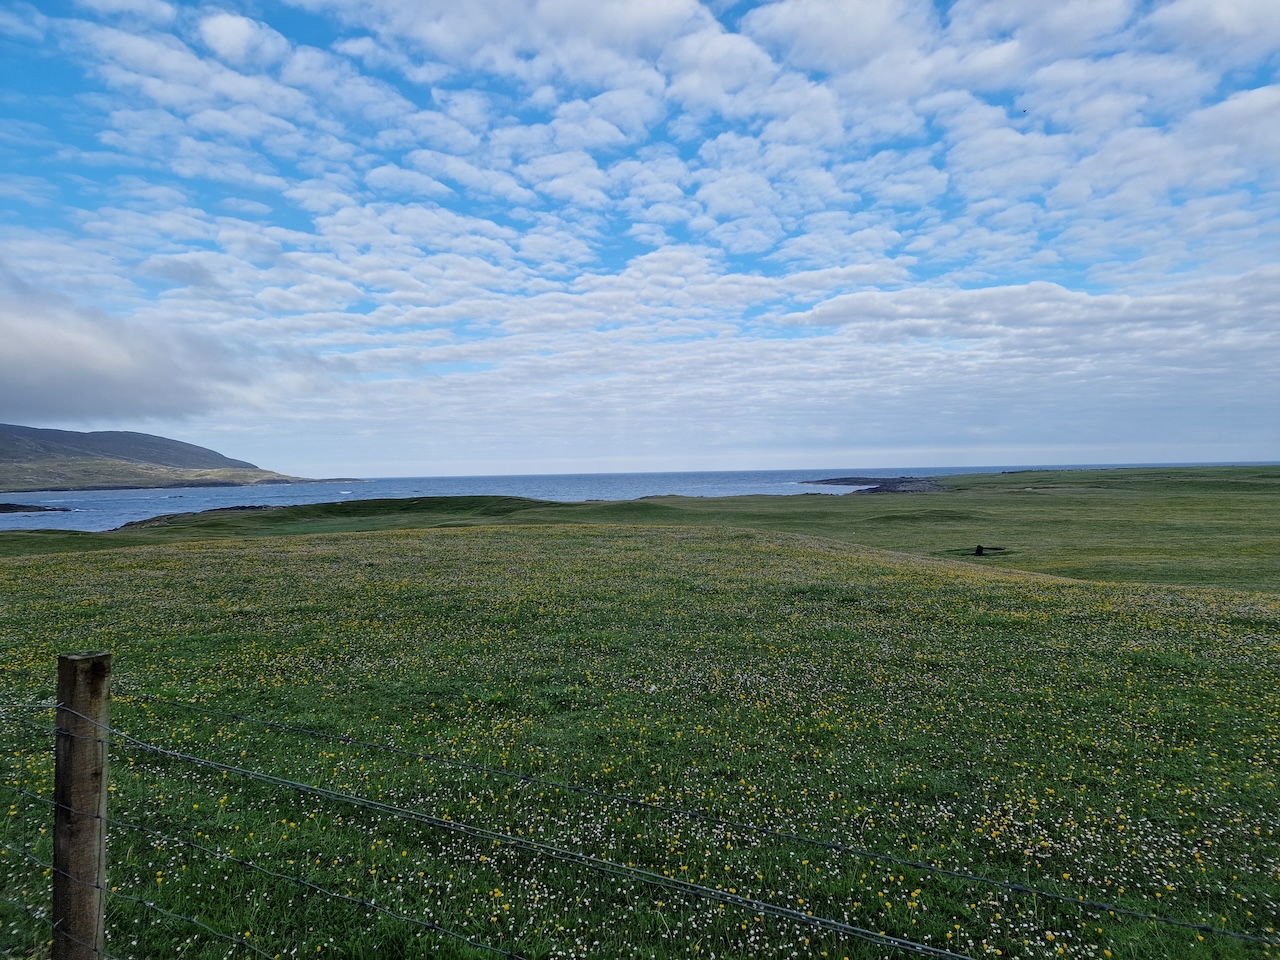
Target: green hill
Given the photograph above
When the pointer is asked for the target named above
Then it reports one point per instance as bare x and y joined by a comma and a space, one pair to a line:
32, 458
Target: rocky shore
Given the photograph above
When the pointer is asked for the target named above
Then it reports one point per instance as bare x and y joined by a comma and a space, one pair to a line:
885, 484
30, 508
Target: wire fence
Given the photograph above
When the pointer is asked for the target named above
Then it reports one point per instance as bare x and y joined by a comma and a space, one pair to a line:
871, 856
130, 750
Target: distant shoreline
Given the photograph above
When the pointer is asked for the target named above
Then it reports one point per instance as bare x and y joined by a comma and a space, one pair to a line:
884, 484
186, 484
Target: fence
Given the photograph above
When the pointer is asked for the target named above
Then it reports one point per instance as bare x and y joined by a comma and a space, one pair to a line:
77, 866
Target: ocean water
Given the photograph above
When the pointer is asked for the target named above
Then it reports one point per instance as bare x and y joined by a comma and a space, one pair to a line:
94, 510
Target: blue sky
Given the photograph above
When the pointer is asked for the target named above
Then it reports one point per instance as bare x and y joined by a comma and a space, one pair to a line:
399, 237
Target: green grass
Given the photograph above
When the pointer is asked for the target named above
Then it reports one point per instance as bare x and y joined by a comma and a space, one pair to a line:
1209, 526
741, 660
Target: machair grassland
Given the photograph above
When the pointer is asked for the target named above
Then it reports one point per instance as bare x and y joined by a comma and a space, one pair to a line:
1115, 742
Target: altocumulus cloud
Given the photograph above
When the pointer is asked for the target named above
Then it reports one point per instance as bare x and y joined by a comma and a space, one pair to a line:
395, 237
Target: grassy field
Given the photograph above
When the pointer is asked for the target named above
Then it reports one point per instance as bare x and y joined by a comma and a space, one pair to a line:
1208, 526
735, 695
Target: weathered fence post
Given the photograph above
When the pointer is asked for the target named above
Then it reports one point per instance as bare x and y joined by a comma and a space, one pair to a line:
80, 798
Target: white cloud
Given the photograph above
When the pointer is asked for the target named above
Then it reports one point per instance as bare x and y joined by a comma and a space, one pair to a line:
1239, 32
334, 81
168, 73
241, 122
835, 37
24, 22
1092, 98
243, 42
25, 189
498, 183
1043, 31
634, 226
571, 175
397, 179
712, 70
64, 361
156, 11
576, 126
1243, 130
587, 42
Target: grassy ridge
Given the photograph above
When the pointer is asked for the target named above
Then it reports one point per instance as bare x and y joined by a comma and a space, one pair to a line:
1212, 526
1109, 741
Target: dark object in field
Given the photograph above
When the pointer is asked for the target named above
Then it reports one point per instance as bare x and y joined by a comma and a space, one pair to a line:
981, 550
30, 508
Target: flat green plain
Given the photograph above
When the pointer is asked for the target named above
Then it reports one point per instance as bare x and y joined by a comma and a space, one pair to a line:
1207, 526
818, 704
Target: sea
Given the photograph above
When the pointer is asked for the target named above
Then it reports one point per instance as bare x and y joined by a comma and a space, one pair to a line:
97, 510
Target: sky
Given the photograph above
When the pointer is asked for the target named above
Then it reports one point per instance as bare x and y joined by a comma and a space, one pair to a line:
415, 238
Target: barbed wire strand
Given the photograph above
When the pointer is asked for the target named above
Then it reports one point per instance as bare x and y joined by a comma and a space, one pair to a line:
32, 912
81, 943
49, 705
110, 892
27, 793
1091, 906
238, 941
26, 852
557, 853
427, 924
568, 856
35, 724
139, 900
315, 887
50, 868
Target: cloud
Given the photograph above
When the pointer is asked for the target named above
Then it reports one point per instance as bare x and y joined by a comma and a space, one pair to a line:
587, 42
572, 175
495, 182
24, 23
243, 42
645, 224
834, 37
1242, 126
712, 70
65, 361
156, 11
1042, 31
397, 179
1240, 32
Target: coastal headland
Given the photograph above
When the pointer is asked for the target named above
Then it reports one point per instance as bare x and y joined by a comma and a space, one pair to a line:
33, 458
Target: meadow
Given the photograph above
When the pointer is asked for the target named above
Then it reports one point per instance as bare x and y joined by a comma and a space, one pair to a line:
671, 729
1205, 526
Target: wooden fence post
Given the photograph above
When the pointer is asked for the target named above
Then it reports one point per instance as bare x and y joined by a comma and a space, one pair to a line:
80, 798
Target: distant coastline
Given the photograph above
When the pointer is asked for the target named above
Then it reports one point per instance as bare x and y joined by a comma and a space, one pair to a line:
106, 509
884, 484
193, 484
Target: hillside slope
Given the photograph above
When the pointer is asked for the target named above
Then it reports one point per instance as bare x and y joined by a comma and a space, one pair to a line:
32, 458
